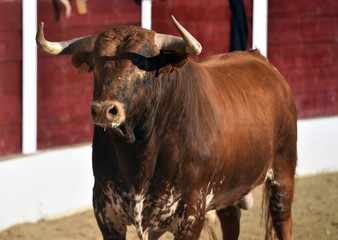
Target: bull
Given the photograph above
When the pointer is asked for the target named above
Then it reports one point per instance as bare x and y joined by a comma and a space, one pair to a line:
175, 139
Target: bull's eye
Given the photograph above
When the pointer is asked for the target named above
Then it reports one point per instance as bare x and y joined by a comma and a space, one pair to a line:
142, 66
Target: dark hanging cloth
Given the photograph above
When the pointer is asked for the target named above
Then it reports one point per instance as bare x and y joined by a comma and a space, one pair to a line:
239, 29
57, 9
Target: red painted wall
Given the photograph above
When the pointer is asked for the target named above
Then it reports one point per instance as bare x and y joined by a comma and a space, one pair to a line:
302, 44
10, 76
64, 96
208, 21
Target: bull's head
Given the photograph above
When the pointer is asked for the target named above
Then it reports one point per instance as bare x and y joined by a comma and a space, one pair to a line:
124, 59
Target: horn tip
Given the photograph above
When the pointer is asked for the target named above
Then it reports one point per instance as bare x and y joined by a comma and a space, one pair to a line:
39, 34
40, 29
173, 19
194, 48
195, 51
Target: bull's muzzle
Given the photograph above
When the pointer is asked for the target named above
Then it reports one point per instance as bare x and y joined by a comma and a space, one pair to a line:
107, 114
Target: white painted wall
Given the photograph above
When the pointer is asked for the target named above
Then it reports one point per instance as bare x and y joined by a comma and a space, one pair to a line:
54, 182
146, 14
260, 26
317, 145
29, 77
45, 184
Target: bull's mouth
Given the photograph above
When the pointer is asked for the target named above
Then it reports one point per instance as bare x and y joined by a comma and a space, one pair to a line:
122, 130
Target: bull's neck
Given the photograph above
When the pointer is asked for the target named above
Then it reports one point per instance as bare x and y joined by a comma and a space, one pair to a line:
125, 164
173, 101
180, 95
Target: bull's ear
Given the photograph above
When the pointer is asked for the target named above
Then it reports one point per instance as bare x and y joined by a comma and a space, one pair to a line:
80, 49
82, 62
174, 62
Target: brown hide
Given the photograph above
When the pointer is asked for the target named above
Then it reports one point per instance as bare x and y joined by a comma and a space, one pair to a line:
191, 137
214, 125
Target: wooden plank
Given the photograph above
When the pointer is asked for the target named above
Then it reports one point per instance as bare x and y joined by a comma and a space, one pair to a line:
303, 80
10, 78
54, 71
64, 101
302, 44
291, 31
191, 10
58, 132
287, 9
10, 45
248, 5
57, 71
103, 12
303, 55
320, 103
10, 15
10, 141
10, 106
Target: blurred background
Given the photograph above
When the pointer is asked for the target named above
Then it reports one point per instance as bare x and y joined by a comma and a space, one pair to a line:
52, 174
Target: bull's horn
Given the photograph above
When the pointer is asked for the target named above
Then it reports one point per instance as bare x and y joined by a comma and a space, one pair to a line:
186, 44
81, 44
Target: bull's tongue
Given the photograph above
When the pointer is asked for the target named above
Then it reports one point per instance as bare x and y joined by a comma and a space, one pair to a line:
115, 125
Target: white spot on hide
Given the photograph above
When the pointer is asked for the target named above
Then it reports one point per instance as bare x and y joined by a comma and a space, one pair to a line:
209, 198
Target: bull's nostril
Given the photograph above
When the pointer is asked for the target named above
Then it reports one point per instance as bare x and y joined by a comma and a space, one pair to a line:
113, 111
93, 113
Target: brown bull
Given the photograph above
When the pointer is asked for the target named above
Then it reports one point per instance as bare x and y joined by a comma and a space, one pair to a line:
174, 139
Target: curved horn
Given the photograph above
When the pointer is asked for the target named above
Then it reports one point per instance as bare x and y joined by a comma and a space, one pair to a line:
186, 44
81, 44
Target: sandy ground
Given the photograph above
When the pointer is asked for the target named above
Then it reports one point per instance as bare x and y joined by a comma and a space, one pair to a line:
315, 214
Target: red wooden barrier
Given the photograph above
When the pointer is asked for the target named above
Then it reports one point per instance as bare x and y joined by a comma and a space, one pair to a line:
302, 44
10, 77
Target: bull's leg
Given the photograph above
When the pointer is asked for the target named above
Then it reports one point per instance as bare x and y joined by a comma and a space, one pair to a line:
210, 224
280, 189
190, 215
155, 235
230, 222
189, 227
108, 217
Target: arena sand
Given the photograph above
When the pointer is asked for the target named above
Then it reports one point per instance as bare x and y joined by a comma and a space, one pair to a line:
315, 217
